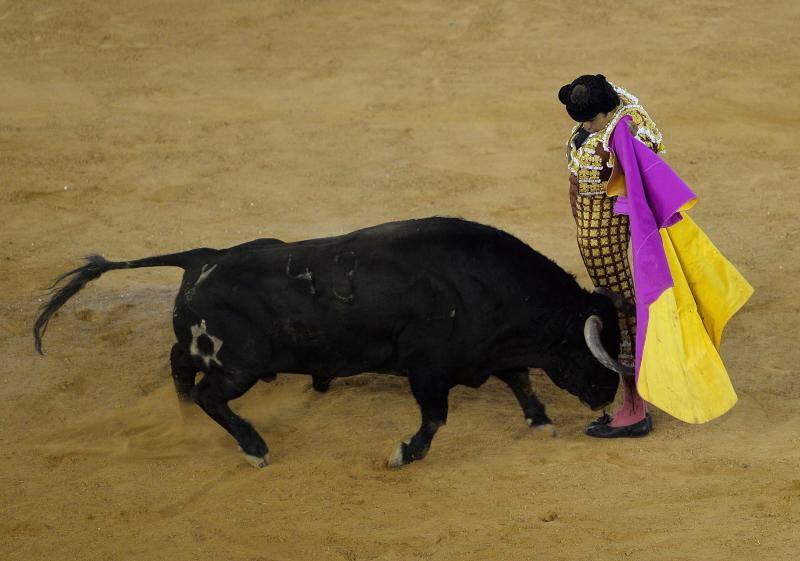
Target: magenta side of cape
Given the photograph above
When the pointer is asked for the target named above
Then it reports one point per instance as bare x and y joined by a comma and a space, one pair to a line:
655, 195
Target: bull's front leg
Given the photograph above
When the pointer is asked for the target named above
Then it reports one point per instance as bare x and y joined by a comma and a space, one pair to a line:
520, 384
431, 392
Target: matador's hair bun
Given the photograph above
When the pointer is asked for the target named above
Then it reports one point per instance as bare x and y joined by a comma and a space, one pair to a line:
588, 95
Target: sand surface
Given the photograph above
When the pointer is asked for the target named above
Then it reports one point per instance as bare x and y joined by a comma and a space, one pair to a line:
152, 127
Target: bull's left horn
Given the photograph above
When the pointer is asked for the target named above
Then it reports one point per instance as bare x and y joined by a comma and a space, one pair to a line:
591, 332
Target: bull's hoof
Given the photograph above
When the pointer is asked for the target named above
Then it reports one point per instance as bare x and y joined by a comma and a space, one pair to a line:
400, 457
405, 453
257, 461
543, 428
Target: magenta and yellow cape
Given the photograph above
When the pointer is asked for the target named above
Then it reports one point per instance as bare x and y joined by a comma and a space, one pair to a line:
686, 291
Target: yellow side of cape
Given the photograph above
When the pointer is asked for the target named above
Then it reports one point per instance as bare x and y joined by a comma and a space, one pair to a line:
681, 371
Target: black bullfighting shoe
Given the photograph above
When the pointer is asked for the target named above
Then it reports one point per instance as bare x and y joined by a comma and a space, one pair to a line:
601, 428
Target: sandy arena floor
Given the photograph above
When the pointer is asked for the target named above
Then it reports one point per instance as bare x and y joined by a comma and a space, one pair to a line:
161, 126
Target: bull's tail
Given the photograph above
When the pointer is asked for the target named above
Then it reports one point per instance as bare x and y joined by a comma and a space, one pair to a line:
96, 265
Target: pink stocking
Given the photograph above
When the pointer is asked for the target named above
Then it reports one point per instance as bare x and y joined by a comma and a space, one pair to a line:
633, 407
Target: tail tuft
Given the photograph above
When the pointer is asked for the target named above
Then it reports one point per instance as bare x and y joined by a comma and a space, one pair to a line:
95, 266
76, 279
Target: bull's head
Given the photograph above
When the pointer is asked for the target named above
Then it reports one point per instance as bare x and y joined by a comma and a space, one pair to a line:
586, 365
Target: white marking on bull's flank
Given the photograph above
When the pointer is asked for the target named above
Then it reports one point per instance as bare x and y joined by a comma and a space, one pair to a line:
306, 275
199, 331
204, 274
346, 299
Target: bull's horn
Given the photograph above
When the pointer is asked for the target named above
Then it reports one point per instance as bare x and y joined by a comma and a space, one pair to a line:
591, 332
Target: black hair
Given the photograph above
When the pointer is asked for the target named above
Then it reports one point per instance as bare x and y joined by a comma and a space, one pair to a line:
587, 96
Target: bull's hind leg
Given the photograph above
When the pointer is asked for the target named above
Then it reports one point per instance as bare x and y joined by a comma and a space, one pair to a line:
183, 372
520, 384
213, 393
431, 392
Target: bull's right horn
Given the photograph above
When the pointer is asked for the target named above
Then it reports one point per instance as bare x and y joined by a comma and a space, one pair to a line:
591, 332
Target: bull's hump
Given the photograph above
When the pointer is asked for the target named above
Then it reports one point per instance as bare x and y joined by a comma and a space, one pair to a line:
414, 241
435, 229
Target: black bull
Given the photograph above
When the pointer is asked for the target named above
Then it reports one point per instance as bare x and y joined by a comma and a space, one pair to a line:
441, 301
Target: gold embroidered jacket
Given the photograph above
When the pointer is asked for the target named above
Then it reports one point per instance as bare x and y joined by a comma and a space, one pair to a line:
592, 165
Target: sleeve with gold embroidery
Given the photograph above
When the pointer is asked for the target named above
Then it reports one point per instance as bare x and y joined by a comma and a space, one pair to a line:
645, 130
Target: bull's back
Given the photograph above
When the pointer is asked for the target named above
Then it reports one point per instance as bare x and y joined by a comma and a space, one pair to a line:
393, 268
359, 301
